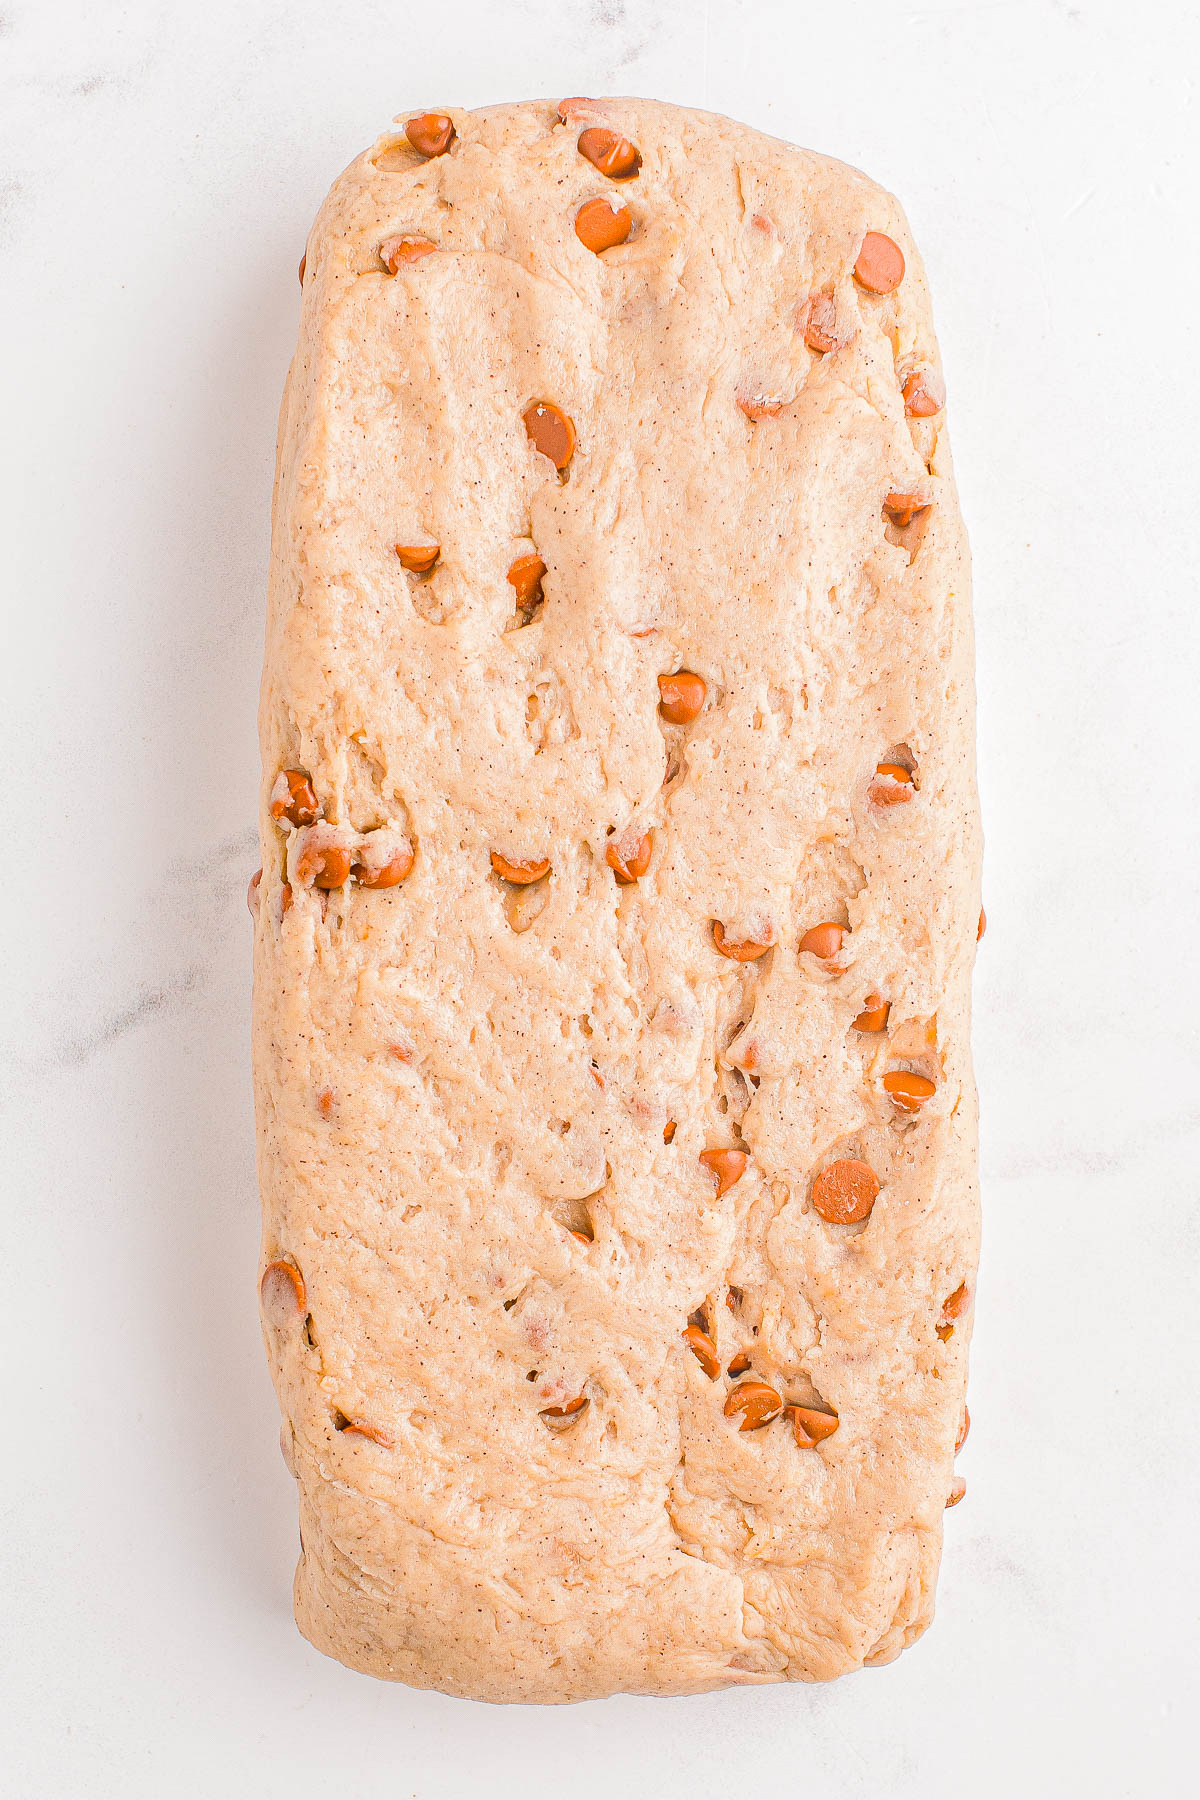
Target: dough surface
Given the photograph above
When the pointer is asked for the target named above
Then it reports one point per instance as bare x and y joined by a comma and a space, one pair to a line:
482, 1106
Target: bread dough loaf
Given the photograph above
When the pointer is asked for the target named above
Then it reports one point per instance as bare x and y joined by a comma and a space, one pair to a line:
507, 1271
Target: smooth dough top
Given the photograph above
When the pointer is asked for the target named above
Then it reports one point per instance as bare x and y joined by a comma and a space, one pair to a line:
482, 1105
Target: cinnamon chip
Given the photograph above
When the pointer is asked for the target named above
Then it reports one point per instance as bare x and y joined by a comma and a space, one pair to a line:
963, 1430
383, 860
907, 1090
282, 1293
879, 266
431, 133
756, 1401
902, 509
360, 1428
681, 696
810, 1425
874, 1015
418, 559
551, 432
525, 578
760, 406
629, 857
521, 874
558, 1418
747, 950
891, 785
293, 799
924, 394
322, 857
703, 1349
824, 942
727, 1165
602, 224
819, 324
844, 1192
609, 152
396, 253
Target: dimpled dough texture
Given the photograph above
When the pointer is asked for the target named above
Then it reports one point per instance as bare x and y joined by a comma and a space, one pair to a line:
483, 1105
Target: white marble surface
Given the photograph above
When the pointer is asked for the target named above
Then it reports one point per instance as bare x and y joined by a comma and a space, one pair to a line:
161, 163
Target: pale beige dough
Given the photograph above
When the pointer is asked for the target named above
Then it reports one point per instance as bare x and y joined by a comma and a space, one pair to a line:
454, 1074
